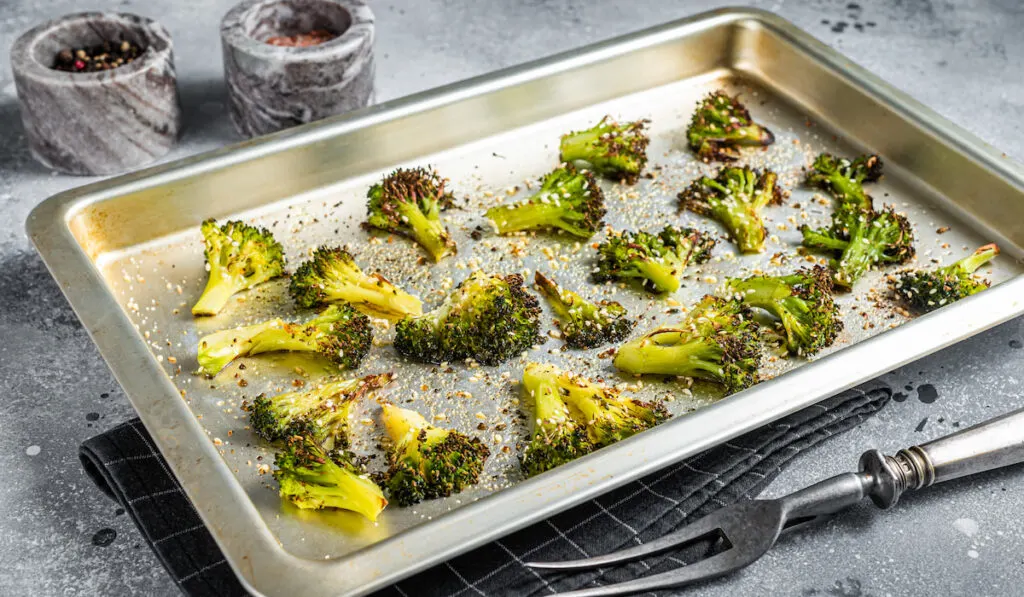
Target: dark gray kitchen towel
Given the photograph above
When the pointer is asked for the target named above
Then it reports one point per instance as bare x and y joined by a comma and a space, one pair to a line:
125, 464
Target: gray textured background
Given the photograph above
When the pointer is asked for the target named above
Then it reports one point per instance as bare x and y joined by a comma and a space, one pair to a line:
965, 59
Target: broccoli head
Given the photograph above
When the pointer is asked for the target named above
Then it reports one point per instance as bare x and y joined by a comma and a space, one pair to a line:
320, 412
428, 462
928, 290
613, 150
655, 260
720, 125
604, 412
312, 479
332, 276
802, 302
862, 240
846, 178
717, 342
557, 438
409, 202
238, 257
488, 318
585, 324
735, 198
339, 333
568, 200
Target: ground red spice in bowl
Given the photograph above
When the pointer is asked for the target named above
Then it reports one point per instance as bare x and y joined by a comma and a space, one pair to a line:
302, 40
106, 56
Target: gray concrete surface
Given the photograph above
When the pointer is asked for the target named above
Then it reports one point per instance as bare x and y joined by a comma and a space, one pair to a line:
962, 58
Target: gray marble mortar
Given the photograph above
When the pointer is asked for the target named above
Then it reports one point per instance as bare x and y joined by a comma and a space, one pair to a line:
103, 122
271, 87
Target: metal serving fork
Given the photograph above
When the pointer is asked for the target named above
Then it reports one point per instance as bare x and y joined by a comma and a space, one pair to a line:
752, 527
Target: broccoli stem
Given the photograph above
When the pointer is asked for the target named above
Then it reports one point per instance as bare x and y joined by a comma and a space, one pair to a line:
386, 305
817, 239
849, 191
428, 233
398, 422
661, 277
575, 146
220, 348
746, 227
527, 216
554, 295
283, 339
343, 489
972, 262
218, 291
695, 358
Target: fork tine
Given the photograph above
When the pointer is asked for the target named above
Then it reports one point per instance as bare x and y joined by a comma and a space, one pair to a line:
687, 534
713, 567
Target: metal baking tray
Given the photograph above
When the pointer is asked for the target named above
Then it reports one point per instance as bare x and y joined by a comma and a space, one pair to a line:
127, 254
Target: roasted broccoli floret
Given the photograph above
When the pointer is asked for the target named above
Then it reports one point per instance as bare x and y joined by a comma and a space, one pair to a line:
311, 479
717, 342
735, 198
568, 200
607, 415
332, 276
238, 257
927, 290
339, 333
487, 318
556, 437
655, 260
613, 150
585, 324
845, 178
320, 412
409, 202
862, 240
802, 302
428, 462
720, 125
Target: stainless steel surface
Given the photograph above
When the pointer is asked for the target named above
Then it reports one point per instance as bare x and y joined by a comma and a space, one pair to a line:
751, 528
105, 241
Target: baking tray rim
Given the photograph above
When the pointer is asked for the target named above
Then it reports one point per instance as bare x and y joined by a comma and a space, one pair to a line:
250, 547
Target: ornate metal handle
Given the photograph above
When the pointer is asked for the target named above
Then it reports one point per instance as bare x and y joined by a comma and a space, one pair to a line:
990, 445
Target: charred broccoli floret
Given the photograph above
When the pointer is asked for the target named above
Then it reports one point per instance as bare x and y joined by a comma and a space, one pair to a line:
339, 333
585, 324
802, 302
862, 240
926, 290
409, 202
332, 276
311, 479
238, 257
720, 125
320, 412
846, 178
488, 318
556, 437
717, 342
735, 198
613, 150
655, 260
575, 416
568, 200
428, 462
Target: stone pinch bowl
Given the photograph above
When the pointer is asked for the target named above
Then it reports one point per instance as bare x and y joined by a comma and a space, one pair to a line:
271, 88
104, 122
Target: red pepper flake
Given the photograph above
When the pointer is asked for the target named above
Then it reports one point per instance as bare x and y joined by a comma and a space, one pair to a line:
302, 40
